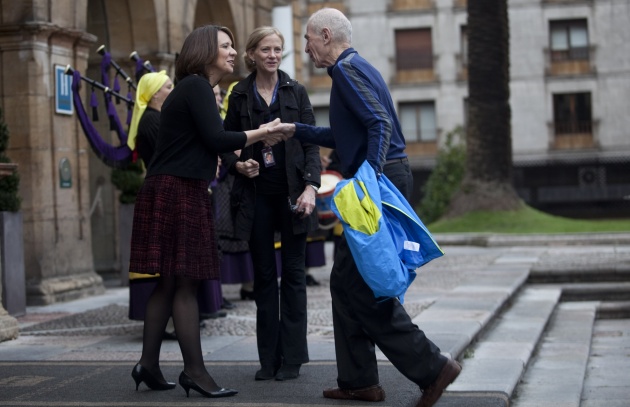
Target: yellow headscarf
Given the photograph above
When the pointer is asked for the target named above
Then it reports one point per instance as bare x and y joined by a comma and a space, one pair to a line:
226, 100
149, 84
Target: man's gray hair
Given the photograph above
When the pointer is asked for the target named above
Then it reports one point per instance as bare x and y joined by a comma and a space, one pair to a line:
336, 21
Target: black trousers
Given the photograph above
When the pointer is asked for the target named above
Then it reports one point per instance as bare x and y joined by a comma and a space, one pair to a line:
280, 313
360, 321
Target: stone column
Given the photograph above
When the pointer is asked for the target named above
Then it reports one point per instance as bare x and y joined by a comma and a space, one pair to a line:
52, 155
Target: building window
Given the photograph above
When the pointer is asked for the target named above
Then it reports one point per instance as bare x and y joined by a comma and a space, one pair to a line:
462, 56
319, 77
572, 113
417, 120
414, 49
569, 40
464, 46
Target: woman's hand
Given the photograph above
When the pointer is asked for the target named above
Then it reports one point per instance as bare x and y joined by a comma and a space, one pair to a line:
286, 129
249, 168
272, 137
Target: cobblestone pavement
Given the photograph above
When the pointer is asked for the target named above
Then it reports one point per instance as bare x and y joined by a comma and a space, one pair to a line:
440, 275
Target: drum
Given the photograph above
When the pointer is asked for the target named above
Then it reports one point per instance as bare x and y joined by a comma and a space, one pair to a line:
327, 218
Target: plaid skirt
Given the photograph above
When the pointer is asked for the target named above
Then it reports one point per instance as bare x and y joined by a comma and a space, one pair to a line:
173, 229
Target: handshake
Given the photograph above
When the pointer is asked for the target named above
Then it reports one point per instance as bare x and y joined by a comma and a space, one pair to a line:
277, 132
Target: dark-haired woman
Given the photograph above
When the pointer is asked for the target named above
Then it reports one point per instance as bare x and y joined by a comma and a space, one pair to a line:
173, 226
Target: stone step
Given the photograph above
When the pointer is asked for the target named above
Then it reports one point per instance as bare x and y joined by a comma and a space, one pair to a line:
496, 362
608, 369
555, 376
613, 310
551, 274
456, 320
609, 291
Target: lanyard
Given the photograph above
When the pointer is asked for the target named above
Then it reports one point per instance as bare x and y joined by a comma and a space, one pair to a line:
273, 97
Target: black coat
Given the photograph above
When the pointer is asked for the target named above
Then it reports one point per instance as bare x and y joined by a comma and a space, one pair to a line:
302, 159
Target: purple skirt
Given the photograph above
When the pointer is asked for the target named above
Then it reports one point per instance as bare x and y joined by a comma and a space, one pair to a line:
173, 229
315, 253
209, 297
236, 268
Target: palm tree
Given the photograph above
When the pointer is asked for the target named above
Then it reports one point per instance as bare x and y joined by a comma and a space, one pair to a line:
487, 183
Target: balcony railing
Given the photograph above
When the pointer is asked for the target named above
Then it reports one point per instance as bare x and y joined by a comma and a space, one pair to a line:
397, 5
575, 135
573, 54
576, 61
573, 127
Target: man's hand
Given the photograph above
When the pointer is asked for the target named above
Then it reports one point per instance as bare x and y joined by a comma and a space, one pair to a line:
249, 168
306, 203
272, 137
286, 129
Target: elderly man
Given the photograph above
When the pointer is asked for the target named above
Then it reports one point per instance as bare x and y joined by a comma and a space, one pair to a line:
364, 126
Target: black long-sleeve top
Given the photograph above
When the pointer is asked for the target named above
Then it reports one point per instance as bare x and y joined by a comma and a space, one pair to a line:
191, 133
148, 130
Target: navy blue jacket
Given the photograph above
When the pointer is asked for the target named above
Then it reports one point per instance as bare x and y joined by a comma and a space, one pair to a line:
363, 120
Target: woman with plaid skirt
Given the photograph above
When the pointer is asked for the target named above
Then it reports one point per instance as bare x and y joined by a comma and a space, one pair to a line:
173, 227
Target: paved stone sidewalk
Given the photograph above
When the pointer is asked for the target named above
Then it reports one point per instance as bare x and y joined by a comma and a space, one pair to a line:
97, 328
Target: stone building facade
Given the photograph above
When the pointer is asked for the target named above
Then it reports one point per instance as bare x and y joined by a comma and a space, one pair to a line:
69, 206
569, 91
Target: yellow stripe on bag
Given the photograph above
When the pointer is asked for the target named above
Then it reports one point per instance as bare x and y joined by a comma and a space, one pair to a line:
361, 215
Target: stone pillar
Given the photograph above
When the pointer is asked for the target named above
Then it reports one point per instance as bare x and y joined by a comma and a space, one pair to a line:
52, 155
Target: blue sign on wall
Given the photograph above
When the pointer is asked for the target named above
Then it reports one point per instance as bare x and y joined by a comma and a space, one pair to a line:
63, 91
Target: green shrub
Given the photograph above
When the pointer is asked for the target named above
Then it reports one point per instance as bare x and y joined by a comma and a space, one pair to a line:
444, 179
128, 181
9, 186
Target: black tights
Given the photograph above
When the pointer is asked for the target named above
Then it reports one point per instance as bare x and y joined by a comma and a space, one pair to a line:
176, 296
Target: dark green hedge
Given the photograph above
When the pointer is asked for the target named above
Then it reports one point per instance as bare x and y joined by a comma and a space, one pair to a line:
444, 179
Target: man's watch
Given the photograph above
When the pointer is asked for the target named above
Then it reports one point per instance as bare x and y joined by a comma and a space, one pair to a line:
314, 187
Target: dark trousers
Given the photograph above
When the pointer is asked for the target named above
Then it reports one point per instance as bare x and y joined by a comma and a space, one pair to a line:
281, 312
360, 322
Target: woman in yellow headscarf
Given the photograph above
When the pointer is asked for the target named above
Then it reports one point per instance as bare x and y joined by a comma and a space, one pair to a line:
153, 89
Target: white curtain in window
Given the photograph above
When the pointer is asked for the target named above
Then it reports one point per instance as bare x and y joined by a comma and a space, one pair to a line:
579, 36
409, 122
559, 40
428, 127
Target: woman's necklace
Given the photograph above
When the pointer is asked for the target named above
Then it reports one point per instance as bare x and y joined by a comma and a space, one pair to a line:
266, 94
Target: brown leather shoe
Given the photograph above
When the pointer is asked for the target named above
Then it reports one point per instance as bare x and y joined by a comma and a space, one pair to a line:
371, 393
431, 394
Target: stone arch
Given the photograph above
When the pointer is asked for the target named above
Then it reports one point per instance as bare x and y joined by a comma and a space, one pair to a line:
65, 233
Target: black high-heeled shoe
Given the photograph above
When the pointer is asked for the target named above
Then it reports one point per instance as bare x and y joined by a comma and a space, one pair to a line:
187, 383
140, 374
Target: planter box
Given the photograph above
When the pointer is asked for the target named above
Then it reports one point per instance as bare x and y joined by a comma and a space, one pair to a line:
12, 263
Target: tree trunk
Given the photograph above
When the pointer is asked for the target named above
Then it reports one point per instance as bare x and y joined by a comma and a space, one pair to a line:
487, 183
